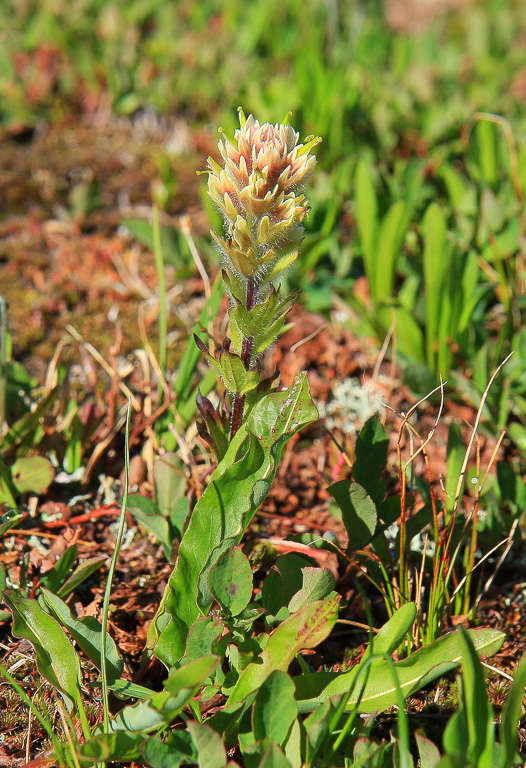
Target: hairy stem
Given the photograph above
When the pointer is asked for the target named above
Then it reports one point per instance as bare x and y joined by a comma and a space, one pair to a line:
246, 357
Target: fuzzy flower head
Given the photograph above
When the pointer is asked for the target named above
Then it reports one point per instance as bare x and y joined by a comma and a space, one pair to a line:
257, 187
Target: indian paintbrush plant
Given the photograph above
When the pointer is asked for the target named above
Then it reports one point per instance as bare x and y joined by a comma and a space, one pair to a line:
258, 189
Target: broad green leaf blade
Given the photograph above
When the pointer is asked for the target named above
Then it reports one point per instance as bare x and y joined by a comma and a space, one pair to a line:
211, 751
82, 572
318, 583
170, 481
372, 445
118, 747
274, 758
57, 660
128, 690
318, 727
390, 238
203, 637
275, 708
429, 754
177, 749
366, 211
394, 631
479, 712
358, 512
149, 516
88, 634
293, 746
230, 581
284, 580
238, 487
454, 739
414, 672
508, 731
56, 576
434, 233
32, 474
305, 629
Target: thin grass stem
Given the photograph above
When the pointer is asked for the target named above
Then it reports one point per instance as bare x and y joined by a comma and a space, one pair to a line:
161, 279
111, 573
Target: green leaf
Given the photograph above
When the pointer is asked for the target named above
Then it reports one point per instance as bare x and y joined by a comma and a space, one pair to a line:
25, 427
318, 726
434, 232
476, 710
366, 211
408, 332
390, 238
33, 474
394, 631
305, 629
275, 708
88, 634
82, 572
455, 458
371, 449
119, 747
293, 746
170, 481
274, 758
428, 752
318, 583
125, 689
414, 672
284, 580
203, 636
511, 713
57, 660
238, 487
230, 581
9, 519
177, 749
358, 512
149, 516
211, 751
236, 378
485, 137
163, 706
55, 577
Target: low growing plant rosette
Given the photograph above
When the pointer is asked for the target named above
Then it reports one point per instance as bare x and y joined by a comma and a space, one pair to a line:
258, 189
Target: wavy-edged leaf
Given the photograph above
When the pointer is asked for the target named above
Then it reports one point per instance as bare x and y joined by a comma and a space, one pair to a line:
413, 673
238, 487
57, 660
305, 629
88, 634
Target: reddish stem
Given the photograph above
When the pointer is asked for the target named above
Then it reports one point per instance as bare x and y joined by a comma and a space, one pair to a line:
246, 357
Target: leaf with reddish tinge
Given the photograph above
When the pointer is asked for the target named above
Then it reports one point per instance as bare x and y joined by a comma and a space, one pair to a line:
230, 581
305, 629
